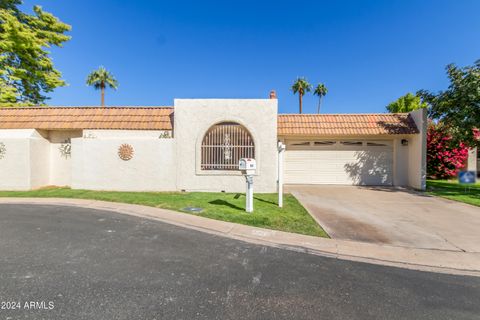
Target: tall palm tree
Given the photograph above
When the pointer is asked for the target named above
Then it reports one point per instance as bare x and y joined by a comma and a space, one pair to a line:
301, 86
320, 91
100, 79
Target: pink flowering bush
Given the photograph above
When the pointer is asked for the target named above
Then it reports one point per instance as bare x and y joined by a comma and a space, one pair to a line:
444, 160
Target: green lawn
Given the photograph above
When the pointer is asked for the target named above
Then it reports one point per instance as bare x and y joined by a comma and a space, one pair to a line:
454, 191
220, 206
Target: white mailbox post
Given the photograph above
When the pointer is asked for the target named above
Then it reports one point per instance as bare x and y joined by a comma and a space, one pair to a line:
248, 166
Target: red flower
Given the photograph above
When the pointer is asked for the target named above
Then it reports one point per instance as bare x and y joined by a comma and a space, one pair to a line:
444, 160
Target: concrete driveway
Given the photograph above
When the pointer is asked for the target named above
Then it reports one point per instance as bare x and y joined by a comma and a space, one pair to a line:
392, 216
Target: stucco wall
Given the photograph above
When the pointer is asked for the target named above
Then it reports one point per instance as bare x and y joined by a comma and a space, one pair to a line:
61, 163
15, 163
39, 157
193, 117
400, 162
97, 166
25, 164
417, 153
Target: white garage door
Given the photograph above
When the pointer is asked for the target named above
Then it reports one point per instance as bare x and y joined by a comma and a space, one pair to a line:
339, 162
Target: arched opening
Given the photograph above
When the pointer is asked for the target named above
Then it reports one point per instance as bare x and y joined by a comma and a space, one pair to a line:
224, 145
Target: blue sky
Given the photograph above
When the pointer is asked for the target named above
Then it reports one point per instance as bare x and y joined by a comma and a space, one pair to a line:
367, 53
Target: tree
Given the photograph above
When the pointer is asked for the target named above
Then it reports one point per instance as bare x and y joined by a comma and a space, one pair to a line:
320, 91
458, 107
26, 69
444, 157
406, 103
100, 79
10, 4
301, 86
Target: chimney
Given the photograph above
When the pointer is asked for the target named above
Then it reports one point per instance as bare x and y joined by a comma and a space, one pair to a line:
273, 94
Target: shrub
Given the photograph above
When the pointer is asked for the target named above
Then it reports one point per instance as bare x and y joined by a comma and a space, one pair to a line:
444, 159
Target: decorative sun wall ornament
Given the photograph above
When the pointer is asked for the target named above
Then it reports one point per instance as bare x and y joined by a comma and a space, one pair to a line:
66, 148
227, 147
3, 150
125, 152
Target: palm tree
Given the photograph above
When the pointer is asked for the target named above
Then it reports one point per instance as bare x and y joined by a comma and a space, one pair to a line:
100, 79
320, 91
301, 86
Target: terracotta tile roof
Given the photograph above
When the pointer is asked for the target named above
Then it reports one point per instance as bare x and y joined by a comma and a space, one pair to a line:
345, 124
161, 118
61, 118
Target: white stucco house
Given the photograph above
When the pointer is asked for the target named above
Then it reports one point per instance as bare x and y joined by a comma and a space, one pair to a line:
196, 144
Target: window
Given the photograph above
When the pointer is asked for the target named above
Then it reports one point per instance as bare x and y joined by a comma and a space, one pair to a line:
324, 143
224, 145
306, 143
376, 144
351, 143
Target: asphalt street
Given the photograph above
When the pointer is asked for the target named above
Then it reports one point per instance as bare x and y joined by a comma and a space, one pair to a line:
61, 262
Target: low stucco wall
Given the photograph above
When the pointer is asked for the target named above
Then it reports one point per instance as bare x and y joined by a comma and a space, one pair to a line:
39, 162
33, 159
24, 162
60, 161
193, 118
15, 159
96, 164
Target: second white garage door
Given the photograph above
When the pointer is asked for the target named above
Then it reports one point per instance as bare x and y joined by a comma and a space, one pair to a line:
347, 162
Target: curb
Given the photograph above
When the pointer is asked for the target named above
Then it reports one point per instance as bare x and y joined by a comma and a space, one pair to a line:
431, 260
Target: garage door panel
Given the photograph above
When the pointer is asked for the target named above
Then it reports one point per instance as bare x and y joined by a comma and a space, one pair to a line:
366, 165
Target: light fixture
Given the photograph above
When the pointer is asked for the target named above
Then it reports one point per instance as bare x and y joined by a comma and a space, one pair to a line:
404, 142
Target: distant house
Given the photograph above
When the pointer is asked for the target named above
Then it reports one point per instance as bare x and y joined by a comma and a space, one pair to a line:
197, 143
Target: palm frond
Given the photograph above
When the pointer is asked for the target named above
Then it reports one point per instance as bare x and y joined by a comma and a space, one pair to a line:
320, 90
101, 78
301, 85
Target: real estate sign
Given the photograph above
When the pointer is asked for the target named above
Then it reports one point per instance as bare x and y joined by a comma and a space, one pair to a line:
466, 177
